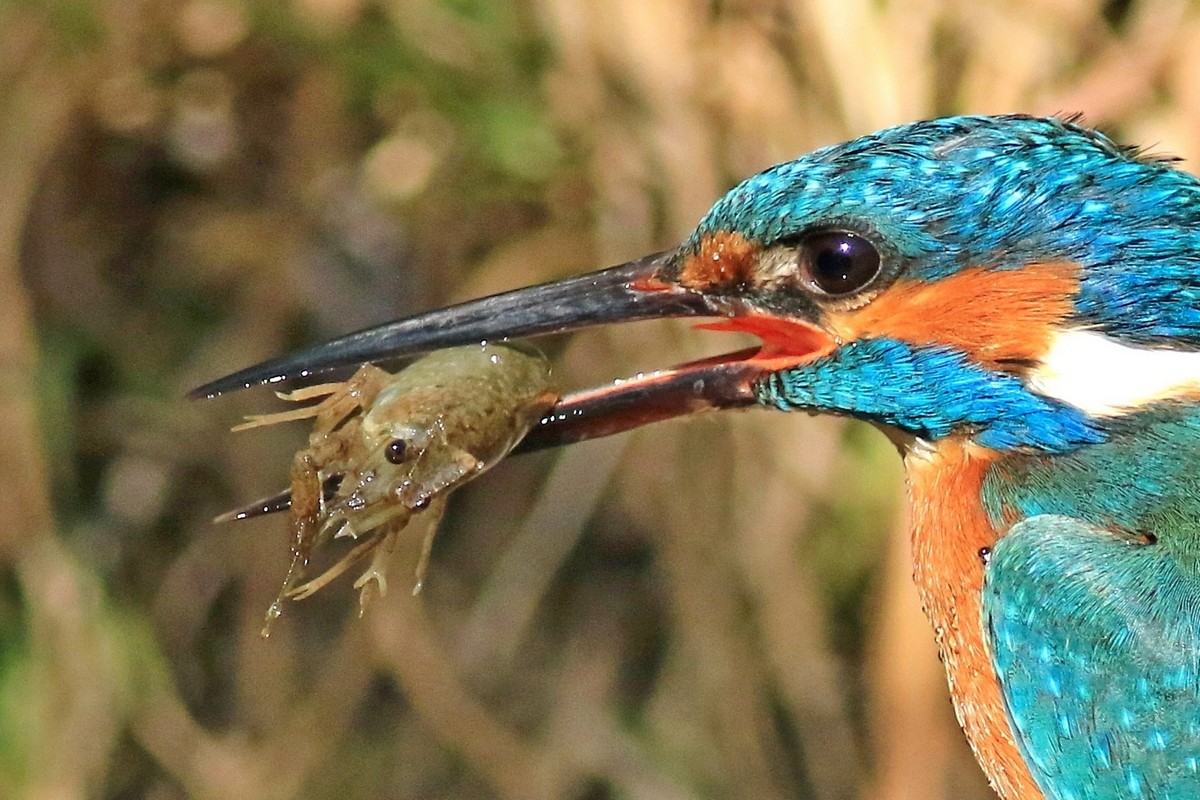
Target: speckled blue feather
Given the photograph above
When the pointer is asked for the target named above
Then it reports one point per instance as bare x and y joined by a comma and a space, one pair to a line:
1096, 642
1002, 192
1092, 608
930, 392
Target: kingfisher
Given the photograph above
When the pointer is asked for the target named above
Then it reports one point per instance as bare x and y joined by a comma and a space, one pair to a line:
1015, 301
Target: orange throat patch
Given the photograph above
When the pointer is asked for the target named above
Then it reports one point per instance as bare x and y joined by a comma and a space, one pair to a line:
949, 531
1003, 319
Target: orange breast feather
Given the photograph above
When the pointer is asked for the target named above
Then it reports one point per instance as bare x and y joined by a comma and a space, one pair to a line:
949, 529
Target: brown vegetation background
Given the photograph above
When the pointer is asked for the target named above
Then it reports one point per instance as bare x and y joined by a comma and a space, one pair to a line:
718, 609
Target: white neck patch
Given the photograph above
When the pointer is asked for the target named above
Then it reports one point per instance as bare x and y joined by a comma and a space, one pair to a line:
1105, 378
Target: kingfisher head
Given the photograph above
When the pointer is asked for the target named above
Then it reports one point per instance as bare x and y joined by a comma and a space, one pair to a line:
1015, 280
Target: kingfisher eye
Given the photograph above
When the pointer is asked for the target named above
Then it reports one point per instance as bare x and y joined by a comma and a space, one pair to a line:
838, 262
395, 450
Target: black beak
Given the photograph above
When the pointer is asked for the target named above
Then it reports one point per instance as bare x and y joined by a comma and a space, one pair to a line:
627, 292
637, 290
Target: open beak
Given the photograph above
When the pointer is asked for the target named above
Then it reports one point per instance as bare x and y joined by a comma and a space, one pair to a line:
636, 290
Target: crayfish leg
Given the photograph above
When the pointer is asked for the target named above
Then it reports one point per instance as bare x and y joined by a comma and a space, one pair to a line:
431, 519
352, 396
307, 496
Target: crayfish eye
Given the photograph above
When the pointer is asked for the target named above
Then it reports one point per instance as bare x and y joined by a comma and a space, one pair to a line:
395, 451
838, 262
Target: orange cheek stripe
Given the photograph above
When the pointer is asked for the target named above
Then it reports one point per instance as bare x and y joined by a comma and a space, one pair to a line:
1002, 318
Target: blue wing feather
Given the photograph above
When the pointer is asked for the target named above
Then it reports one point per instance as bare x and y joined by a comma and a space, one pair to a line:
1095, 637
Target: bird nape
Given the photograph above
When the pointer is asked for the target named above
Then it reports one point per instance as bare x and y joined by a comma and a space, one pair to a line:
1017, 300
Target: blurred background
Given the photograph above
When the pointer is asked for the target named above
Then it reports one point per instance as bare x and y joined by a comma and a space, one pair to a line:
712, 609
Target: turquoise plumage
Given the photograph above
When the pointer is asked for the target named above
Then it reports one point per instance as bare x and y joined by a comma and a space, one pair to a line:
1092, 605
1095, 635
